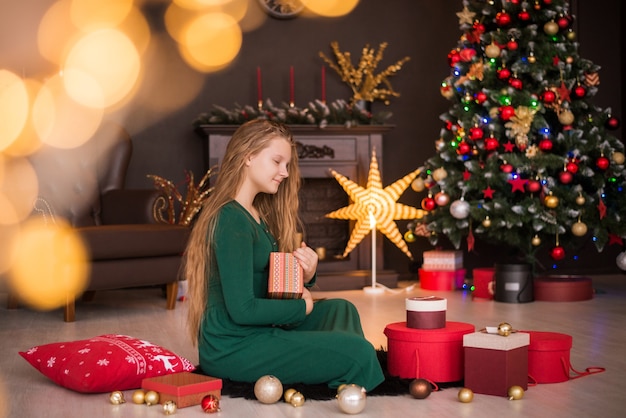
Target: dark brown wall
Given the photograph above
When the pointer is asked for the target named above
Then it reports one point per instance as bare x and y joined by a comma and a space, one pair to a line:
425, 30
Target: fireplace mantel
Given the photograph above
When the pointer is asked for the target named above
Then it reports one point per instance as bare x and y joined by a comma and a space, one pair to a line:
346, 150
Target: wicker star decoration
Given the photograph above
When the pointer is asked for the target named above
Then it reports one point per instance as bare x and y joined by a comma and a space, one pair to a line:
374, 204
465, 16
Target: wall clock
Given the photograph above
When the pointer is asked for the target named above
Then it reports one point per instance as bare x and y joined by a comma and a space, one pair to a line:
282, 9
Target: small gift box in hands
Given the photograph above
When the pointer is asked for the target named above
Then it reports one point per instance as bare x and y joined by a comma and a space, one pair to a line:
285, 277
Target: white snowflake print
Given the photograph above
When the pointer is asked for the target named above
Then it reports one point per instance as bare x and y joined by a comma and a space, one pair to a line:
84, 350
32, 350
66, 371
103, 362
51, 361
130, 360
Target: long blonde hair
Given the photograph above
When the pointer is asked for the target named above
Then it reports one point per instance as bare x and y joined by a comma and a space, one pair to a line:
279, 210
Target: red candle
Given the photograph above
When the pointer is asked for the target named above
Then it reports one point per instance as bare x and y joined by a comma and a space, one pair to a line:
259, 86
323, 84
291, 87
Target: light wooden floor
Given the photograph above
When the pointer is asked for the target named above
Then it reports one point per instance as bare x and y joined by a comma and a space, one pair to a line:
597, 327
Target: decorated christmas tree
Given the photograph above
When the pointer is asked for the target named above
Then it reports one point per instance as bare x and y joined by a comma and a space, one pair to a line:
524, 158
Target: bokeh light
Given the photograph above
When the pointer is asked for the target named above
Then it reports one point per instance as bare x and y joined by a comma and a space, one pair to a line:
101, 68
59, 120
50, 264
210, 41
56, 32
7, 234
27, 142
13, 107
330, 8
90, 15
18, 189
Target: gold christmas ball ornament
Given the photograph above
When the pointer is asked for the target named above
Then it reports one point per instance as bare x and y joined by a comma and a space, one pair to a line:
439, 174
409, 236
418, 184
117, 398
505, 329
352, 399
268, 389
618, 157
169, 408
288, 394
492, 50
571, 35
580, 200
465, 395
486, 222
551, 201
420, 388
516, 393
151, 398
551, 28
297, 400
536, 241
566, 117
139, 396
579, 229
531, 58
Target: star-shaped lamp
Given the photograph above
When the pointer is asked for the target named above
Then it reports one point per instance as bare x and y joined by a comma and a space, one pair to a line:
375, 208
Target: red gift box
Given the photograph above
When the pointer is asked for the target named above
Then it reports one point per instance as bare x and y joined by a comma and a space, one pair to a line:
286, 279
494, 363
427, 312
186, 389
484, 282
441, 280
434, 354
562, 288
548, 356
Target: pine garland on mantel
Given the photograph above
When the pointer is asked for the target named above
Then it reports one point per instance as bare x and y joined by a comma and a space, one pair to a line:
318, 113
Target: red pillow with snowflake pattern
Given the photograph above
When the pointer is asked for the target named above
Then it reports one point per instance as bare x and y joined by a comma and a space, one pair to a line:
104, 363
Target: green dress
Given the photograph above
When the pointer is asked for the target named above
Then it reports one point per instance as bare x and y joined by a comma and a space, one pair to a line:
244, 335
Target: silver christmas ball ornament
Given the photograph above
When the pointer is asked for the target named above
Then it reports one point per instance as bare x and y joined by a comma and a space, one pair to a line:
460, 209
351, 399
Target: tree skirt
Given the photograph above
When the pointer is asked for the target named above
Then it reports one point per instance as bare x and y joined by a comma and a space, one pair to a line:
392, 386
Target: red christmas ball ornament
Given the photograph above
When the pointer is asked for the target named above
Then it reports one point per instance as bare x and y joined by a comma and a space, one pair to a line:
612, 123
506, 168
572, 167
503, 18
491, 144
507, 112
466, 54
579, 91
533, 186
504, 73
428, 203
479, 27
548, 96
565, 177
210, 404
476, 133
602, 163
480, 97
453, 57
557, 253
545, 144
463, 148
523, 15
563, 22
512, 45
516, 83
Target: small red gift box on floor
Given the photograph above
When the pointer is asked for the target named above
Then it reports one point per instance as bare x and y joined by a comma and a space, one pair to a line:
494, 363
434, 354
562, 288
548, 356
441, 280
484, 282
427, 312
186, 389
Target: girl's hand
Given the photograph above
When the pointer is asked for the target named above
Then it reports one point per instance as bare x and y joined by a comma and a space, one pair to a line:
307, 258
308, 299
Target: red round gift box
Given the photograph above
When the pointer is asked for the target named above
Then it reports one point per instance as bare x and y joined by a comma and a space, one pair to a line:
434, 354
548, 356
562, 288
